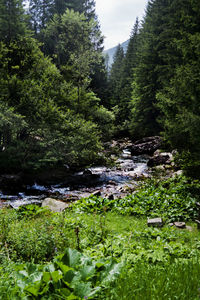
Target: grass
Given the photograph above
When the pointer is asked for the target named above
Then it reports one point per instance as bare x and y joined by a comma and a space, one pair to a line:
158, 263
181, 281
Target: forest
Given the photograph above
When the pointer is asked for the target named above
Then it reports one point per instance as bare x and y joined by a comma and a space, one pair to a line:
60, 103
60, 107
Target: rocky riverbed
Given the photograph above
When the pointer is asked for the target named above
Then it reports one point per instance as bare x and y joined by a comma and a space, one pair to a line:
133, 164
100, 180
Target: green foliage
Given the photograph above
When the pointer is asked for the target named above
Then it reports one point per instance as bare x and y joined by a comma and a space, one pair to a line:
166, 78
149, 282
13, 21
72, 275
125, 90
178, 100
173, 199
146, 73
30, 211
34, 130
112, 244
115, 76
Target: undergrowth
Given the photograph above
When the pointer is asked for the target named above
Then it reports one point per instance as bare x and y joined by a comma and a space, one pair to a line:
173, 199
102, 249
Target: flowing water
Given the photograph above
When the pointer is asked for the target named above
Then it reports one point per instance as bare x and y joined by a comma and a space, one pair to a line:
102, 180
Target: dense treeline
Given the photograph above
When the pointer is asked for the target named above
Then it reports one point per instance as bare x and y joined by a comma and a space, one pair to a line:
163, 94
51, 55
58, 103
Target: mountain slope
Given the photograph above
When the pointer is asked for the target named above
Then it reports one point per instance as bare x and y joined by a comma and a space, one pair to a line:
110, 52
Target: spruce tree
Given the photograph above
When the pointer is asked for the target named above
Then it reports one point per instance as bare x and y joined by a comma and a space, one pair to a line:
129, 63
12, 20
40, 12
179, 98
115, 76
152, 68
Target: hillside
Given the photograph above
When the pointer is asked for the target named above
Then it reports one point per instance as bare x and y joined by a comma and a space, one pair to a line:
112, 51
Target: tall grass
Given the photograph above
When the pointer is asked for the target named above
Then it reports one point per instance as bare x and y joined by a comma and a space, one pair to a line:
180, 281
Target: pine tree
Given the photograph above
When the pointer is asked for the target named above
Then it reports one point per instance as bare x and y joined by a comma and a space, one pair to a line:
179, 98
40, 12
115, 76
152, 68
129, 63
12, 20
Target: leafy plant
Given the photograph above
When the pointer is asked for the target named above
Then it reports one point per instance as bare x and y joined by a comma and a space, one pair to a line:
173, 199
72, 275
31, 211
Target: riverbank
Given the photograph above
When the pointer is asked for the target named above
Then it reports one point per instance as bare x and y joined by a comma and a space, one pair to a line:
110, 182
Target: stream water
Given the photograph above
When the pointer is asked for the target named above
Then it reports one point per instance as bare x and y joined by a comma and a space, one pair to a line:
102, 180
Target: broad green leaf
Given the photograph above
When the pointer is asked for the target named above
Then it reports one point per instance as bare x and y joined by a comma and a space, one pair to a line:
87, 272
71, 258
56, 276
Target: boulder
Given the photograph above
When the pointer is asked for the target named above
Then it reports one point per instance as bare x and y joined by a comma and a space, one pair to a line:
178, 173
97, 193
87, 172
157, 222
54, 205
180, 225
159, 159
147, 145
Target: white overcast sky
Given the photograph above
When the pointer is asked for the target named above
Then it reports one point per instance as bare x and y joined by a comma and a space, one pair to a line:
117, 18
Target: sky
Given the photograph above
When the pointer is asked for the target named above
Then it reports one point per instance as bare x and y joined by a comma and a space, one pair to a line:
117, 18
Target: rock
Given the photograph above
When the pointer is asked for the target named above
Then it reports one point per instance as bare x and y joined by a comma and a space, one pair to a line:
111, 197
111, 182
178, 173
54, 205
180, 225
71, 197
157, 152
157, 222
97, 193
160, 159
174, 152
146, 146
189, 228
87, 172
160, 168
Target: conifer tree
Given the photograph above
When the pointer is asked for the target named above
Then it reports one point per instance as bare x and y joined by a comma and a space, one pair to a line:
179, 98
40, 12
115, 76
151, 70
12, 19
129, 63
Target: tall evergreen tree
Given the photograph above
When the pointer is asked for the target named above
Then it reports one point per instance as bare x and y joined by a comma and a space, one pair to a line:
152, 68
115, 76
12, 19
129, 63
179, 98
40, 12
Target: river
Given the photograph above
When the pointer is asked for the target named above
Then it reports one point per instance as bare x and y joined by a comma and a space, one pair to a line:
100, 180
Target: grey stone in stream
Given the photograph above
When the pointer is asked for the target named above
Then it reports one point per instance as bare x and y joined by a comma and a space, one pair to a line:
178, 173
87, 172
111, 197
97, 193
160, 159
157, 222
111, 182
147, 145
54, 205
